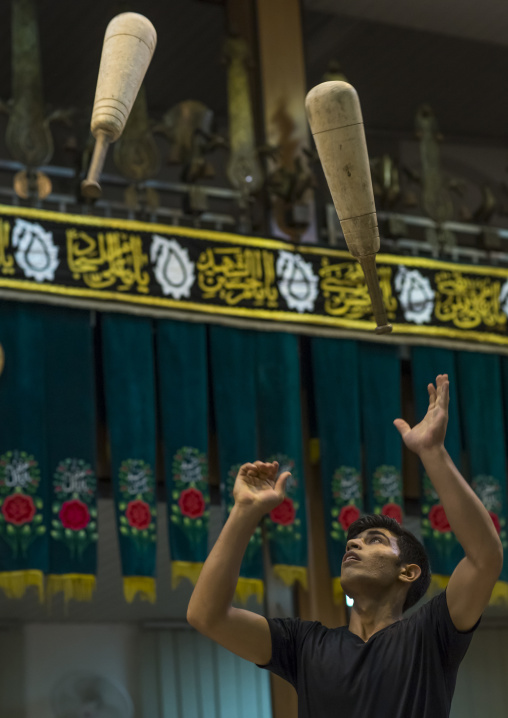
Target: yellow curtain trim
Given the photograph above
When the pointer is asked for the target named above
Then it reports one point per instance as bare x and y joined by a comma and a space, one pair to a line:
184, 569
74, 586
290, 574
15, 583
338, 593
499, 594
247, 587
144, 585
437, 583
314, 450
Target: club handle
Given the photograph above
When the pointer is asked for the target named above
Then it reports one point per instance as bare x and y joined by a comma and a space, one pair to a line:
368, 265
90, 187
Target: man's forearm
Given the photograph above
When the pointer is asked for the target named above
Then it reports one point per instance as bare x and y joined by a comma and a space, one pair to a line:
215, 588
469, 519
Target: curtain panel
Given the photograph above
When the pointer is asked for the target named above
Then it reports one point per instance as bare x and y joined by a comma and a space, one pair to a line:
183, 399
335, 366
24, 490
280, 439
232, 353
70, 423
129, 382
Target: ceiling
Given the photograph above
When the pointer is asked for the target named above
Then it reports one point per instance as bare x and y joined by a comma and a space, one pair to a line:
484, 21
396, 68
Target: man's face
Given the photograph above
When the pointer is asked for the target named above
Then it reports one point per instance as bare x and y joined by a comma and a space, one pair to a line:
372, 559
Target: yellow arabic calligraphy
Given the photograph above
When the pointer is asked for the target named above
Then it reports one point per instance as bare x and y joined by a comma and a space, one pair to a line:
106, 259
235, 274
345, 291
6, 262
468, 302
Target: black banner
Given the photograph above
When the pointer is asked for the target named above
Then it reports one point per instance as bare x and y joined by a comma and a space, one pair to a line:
214, 273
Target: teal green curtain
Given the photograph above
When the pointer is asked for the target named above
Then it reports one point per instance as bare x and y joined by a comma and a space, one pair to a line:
71, 437
280, 439
442, 547
183, 396
337, 400
129, 387
24, 488
234, 394
481, 405
380, 383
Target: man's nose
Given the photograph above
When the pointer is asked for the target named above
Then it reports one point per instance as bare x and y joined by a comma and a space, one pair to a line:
353, 544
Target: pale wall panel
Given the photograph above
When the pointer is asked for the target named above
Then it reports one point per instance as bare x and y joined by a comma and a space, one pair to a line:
196, 678
482, 683
12, 668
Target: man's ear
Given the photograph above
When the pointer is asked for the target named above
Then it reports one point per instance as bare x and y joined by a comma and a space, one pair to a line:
410, 573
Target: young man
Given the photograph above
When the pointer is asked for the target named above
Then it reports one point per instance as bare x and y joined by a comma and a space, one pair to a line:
382, 665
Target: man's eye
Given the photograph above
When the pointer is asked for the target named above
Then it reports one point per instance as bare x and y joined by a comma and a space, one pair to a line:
375, 538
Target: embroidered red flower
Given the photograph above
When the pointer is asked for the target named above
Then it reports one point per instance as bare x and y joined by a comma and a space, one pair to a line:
138, 514
438, 519
192, 503
348, 515
18, 509
74, 515
284, 513
393, 511
495, 521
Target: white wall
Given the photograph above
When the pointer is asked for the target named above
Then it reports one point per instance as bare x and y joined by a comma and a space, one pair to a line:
53, 650
482, 682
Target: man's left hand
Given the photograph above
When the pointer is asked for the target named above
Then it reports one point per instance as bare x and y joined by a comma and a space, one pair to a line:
429, 434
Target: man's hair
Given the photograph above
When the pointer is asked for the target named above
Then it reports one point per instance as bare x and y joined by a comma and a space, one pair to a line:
411, 551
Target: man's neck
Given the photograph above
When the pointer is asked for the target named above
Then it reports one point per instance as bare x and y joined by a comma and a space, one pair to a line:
369, 615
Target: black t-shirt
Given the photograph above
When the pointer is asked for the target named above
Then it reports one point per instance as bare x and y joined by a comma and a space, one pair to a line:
405, 670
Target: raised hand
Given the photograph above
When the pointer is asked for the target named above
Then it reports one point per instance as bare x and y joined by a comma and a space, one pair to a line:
430, 432
258, 488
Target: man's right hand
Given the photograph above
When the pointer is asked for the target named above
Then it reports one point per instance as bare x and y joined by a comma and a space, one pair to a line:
257, 487
257, 491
